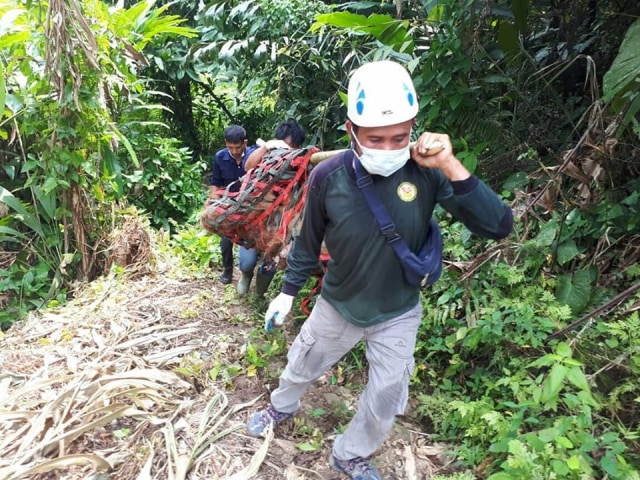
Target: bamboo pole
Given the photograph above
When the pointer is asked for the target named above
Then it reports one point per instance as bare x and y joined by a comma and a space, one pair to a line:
435, 147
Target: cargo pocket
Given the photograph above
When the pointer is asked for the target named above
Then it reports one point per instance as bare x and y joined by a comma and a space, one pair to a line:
403, 396
299, 354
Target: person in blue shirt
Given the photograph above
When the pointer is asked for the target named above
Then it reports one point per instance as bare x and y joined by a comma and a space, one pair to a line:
288, 135
228, 166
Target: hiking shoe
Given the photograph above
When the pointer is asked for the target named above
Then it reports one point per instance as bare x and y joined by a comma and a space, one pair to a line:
244, 283
357, 468
226, 278
259, 420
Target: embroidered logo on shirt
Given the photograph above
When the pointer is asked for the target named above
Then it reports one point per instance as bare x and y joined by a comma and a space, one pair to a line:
407, 192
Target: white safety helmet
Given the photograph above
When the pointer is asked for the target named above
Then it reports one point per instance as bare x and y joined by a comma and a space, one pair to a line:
380, 94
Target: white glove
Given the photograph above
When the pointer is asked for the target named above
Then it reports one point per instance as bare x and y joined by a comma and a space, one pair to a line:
273, 144
278, 309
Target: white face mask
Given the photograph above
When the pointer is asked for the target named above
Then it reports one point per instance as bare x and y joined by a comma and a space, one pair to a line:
382, 162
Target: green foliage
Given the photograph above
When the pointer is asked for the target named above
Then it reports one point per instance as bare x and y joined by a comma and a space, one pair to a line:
455, 476
506, 83
28, 286
262, 351
444, 94
621, 80
36, 275
169, 186
384, 28
61, 94
485, 378
313, 437
263, 50
196, 248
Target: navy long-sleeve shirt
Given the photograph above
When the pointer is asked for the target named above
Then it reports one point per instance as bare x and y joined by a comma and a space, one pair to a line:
226, 170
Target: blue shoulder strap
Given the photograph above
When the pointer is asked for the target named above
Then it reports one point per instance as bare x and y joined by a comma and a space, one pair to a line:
388, 228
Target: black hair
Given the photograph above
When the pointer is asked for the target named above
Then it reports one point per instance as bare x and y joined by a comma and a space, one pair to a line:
235, 134
291, 128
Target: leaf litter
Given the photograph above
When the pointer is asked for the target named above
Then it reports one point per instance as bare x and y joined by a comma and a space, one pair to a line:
116, 384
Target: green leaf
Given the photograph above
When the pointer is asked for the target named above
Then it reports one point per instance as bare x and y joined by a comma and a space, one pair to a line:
535, 442
585, 397
567, 251
455, 100
3, 91
574, 463
128, 147
559, 468
564, 350
497, 78
520, 9
25, 216
564, 442
338, 19
11, 235
576, 376
625, 70
610, 465
547, 234
507, 37
574, 290
553, 383
388, 30
500, 476
548, 434
48, 201
306, 447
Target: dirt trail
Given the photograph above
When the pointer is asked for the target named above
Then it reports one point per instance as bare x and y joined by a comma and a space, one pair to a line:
153, 378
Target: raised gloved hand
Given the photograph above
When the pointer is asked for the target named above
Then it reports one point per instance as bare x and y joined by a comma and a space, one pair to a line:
278, 309
275, 143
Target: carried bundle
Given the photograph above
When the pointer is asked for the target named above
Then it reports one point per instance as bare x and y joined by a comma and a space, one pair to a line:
266, 210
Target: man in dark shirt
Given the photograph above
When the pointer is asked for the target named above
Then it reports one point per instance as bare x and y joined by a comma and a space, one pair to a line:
365, 295
228, 166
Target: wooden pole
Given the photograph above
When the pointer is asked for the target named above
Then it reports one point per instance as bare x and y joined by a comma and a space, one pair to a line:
436, 147
317, 157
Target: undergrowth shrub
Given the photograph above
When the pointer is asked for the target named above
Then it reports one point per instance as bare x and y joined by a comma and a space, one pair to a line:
491, 378
169, 185
197, 249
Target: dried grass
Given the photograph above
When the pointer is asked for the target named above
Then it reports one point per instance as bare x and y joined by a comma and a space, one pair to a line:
90, 390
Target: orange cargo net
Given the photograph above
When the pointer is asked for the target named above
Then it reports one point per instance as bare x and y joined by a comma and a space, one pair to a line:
266, 211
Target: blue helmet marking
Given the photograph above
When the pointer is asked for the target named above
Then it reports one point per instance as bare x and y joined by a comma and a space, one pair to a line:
360, 102
410, 98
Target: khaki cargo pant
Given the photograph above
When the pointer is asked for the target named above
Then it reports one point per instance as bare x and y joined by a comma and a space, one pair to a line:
323, 340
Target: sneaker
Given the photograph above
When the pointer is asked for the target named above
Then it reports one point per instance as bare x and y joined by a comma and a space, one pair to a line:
357, 468
226, 278
259, 420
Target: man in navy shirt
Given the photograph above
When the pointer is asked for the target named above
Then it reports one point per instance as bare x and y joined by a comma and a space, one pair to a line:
228, 166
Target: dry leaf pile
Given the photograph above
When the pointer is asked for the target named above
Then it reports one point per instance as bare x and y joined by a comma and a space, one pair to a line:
91, 389
97, 390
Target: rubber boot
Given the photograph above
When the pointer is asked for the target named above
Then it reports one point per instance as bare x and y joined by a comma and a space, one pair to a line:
226, 248
244, 283
262, 283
